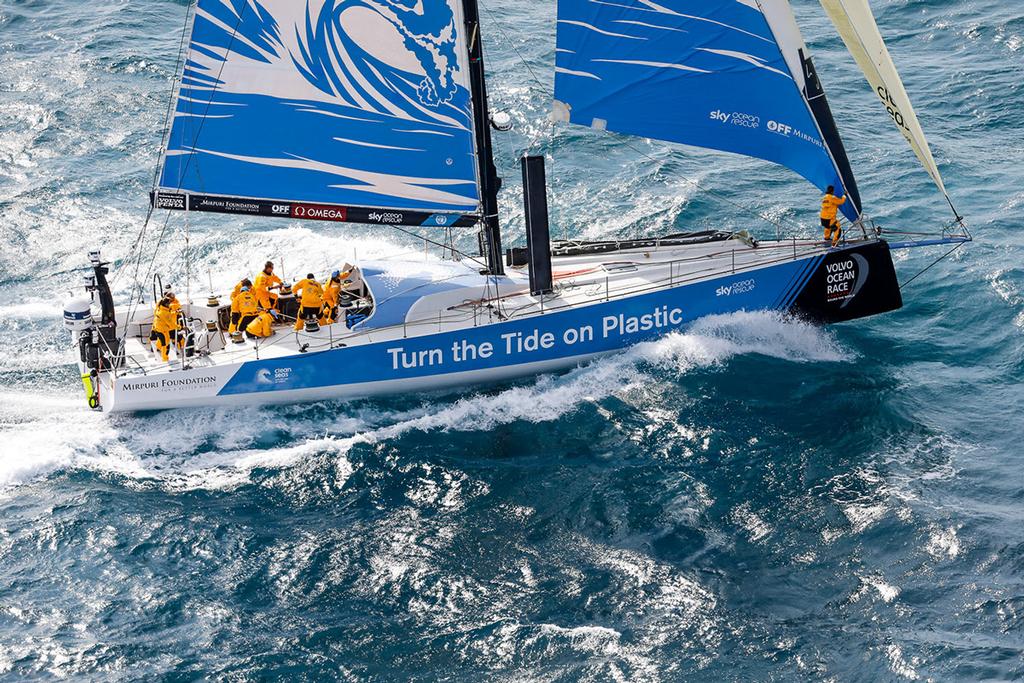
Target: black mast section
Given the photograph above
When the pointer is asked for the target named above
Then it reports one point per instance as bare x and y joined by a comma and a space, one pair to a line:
490, 183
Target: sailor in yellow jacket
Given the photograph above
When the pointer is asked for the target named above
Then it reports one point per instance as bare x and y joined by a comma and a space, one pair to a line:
332, 295
166, 326
236, 315
265, 282
262, 325
829, 209
169, 293
311, 299
248, 307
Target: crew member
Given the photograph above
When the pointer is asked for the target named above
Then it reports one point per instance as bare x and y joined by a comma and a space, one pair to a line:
829, 221
262, 325
332, 294
166, 325
248, 306
236, 316
311, 299
169, 293
265, 282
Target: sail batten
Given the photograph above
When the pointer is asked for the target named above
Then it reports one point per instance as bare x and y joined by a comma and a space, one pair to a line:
345, 103
856, 25
728, 77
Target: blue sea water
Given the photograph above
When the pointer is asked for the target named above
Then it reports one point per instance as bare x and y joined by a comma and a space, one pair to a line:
755, 499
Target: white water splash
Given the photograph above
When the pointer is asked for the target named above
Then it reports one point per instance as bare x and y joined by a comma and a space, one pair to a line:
219, 449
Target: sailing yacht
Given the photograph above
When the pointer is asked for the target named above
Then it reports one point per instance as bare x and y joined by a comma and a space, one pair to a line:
376, 112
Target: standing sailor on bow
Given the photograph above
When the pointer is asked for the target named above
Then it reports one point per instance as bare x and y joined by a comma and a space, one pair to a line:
311, 298
265, 282
829, 221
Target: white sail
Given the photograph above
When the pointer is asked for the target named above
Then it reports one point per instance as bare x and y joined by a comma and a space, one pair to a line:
858, 29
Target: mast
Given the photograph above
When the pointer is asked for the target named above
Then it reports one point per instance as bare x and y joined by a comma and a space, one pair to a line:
490, 183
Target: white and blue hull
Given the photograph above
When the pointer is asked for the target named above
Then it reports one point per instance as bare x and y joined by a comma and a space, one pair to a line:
543, 342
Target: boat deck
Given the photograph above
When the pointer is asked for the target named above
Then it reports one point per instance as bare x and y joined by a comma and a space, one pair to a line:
472, 299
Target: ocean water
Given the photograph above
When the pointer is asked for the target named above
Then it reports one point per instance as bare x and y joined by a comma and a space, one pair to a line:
753, 499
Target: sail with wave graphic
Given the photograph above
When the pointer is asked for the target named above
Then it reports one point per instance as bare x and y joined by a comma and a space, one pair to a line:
361, 103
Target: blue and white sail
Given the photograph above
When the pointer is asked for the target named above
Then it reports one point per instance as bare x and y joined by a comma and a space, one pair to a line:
731, 75
295, 106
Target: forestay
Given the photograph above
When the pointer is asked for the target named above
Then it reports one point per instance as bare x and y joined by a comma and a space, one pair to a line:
353, 110
856, 25
730, 75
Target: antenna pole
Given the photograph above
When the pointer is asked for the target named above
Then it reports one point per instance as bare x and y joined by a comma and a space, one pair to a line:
490, 183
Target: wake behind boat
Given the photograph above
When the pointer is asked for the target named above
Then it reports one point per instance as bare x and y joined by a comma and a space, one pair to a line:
375, 113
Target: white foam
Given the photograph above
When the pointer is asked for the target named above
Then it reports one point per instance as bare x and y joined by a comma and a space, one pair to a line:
32, 310
898, 663
886, 591
220, 448
943, 543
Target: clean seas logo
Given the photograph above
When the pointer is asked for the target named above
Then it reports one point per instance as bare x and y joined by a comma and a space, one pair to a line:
427, 29
268, 377
844, 279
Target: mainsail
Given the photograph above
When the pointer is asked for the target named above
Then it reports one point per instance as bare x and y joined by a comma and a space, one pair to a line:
858, 29
355, 110
730, 75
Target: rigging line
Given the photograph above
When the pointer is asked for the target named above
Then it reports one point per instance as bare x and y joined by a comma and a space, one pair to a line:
439, 244
209, 102
135, 253
137, 244
490, 15
540, 130
932, 265
170, 100
533, 74
132, 304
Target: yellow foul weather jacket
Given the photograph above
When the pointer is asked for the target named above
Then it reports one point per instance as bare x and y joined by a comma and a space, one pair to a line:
245, 303
262, 326
332, 292
234, 295
165, 318
830, 205
262, 287
310, 293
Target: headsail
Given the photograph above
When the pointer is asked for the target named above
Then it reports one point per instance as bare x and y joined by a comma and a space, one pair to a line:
730, 75
354, 110
858, 29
